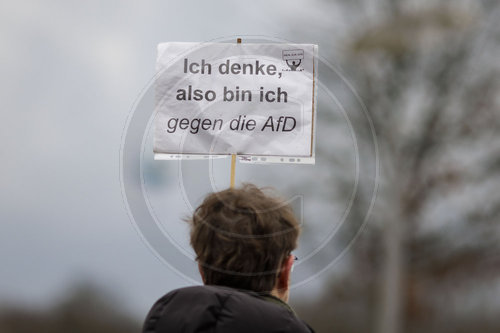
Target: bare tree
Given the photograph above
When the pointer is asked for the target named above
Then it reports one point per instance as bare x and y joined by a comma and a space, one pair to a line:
430, 77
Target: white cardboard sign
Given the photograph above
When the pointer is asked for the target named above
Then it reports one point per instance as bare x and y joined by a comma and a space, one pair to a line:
253, 100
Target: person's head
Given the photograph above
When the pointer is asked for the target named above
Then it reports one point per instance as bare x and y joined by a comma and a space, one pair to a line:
243, 239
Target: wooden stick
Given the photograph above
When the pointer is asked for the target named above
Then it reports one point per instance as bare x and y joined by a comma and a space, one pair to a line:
233, 156
233, 169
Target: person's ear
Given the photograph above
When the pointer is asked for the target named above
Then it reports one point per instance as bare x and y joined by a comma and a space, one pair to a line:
200, 269
284, 276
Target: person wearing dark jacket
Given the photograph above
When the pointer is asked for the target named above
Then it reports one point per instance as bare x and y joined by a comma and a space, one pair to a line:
243, 239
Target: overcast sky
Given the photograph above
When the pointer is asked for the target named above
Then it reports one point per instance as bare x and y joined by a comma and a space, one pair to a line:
70, 72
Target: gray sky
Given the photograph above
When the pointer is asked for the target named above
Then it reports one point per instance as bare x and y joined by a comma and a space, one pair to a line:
70, 72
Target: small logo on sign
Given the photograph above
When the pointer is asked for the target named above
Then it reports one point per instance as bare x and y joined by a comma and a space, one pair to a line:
293, 58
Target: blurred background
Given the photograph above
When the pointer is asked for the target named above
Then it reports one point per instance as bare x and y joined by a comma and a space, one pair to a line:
427, 260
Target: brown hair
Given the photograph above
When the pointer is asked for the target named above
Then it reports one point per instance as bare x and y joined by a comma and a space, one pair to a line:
241, 237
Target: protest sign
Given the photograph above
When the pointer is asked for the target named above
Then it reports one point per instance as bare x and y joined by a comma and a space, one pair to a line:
252, 100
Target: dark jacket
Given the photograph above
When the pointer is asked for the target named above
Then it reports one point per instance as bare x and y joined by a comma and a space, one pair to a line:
218, 309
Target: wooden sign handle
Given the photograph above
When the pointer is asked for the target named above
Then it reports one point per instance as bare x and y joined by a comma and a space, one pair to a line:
233, 169
233, 156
